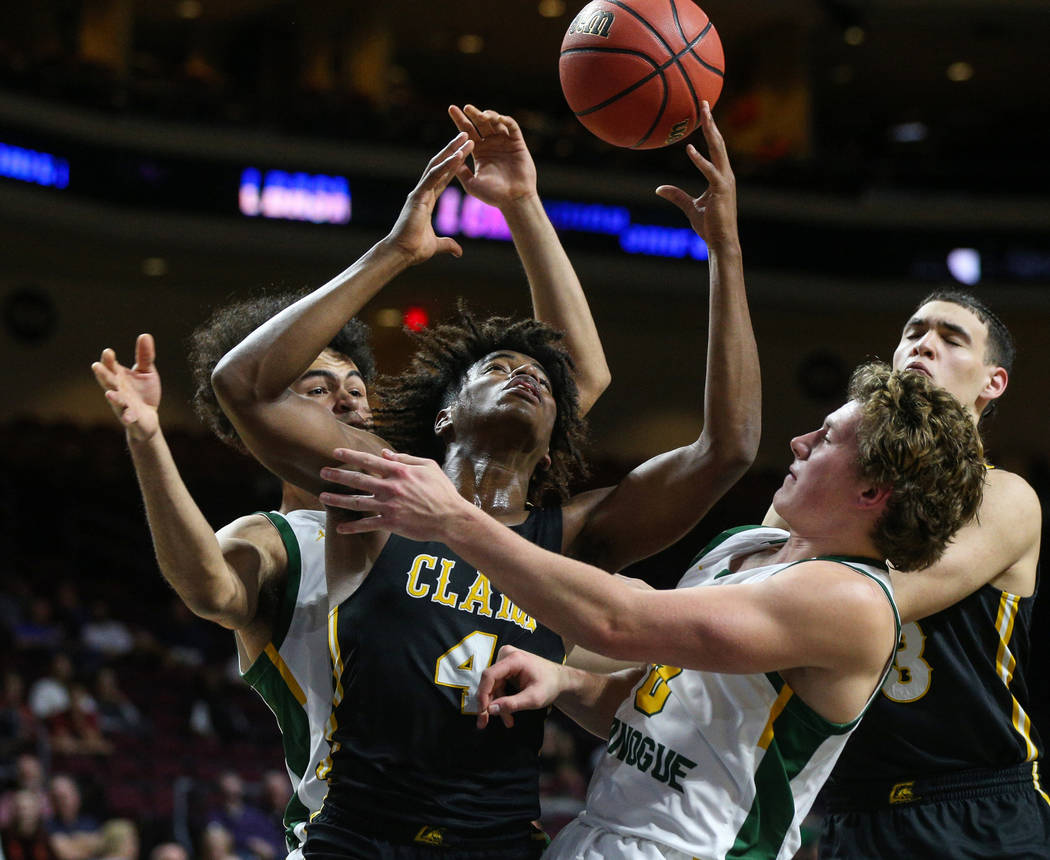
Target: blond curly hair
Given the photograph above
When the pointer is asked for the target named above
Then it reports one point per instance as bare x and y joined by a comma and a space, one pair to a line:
918, 439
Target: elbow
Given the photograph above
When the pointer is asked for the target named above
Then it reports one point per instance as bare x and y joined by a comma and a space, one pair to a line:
592, 388
226, 382
737, 452
217, 608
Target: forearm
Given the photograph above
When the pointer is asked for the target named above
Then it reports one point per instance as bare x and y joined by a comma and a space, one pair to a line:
733, 388
557, 295
592, 700
271, 358
188, 553
582, 603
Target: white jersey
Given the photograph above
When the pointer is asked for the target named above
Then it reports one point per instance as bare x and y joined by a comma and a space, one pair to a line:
708, 764
293, 675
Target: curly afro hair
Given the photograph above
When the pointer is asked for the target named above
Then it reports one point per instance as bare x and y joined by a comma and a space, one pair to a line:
232, 323
919, 440
444, 354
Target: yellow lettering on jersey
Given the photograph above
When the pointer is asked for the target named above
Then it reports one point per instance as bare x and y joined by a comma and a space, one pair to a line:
508, 611
420, 561
479, 595
441, 593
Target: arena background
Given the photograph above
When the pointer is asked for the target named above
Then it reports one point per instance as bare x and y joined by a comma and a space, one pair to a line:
883, 149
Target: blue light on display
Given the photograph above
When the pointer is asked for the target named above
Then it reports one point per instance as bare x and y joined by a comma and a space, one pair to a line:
295, 196
28, 165
456, 213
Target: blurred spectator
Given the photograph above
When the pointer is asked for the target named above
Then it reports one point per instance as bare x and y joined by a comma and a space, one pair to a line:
19, 727
69, 611
74, 835
216, 843
215, 711
560, 773
25, 837
49, 695
39, 629
169, 851
119, 840
104, 634
276, 793
117, 714
255, 834
75, 731
29, 777
186, 638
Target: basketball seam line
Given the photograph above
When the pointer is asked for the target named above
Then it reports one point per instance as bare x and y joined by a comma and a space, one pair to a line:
658, 70
685, 77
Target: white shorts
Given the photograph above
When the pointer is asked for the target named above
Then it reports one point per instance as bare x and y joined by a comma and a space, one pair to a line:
579, 840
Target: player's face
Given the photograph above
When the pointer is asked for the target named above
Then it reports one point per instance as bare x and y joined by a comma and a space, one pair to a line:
824, 473
947, 342
512, 384
335, 381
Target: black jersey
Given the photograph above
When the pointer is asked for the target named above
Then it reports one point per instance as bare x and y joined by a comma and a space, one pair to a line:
956, 699
408, 650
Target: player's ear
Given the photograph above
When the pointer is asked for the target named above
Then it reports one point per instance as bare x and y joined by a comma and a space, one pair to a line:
443, 423
873, 498
996, 385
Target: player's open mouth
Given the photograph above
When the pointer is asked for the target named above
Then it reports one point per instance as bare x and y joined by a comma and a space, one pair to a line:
524, 385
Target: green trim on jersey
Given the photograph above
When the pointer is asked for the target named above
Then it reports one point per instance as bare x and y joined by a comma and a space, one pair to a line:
851, 560
292, 579
265, 678
797, 733
721, 538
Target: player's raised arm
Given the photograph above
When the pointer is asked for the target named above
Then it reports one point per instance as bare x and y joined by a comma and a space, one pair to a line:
504, 176
677, 488
288, 433
216, 586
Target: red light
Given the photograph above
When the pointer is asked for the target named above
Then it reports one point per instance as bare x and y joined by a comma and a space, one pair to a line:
416, 318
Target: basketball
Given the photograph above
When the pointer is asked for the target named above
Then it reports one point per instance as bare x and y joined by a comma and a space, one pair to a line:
635, 71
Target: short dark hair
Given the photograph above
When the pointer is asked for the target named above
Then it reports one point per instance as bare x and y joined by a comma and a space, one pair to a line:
918, 439
230, 324
411, 401
1000, 349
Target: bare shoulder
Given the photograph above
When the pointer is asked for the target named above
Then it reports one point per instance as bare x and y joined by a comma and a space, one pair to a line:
849, 609
1008, 495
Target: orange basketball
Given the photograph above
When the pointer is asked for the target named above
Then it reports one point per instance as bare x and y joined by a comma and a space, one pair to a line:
635, 71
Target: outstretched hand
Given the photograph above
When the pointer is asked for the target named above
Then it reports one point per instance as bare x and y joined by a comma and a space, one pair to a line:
407, 495
503, 167
535, 679
413, 233
133, 393
712, 214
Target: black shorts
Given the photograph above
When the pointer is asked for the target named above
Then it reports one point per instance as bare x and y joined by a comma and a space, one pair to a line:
994, 815
334, 838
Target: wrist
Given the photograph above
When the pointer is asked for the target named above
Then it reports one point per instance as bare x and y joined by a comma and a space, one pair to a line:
389, 253
726, 248
521, 207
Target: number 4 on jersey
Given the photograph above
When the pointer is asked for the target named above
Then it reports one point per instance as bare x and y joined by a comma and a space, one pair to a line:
462, 665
